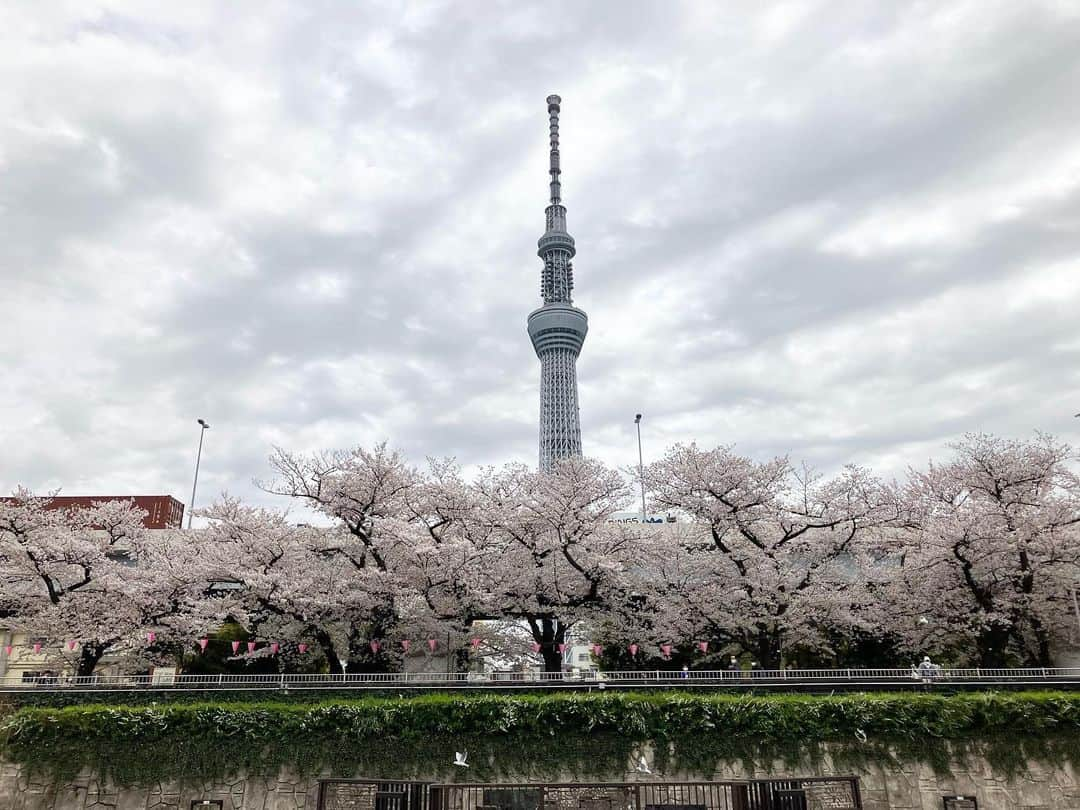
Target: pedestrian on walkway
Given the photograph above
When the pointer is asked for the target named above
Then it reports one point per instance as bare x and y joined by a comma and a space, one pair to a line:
927, 670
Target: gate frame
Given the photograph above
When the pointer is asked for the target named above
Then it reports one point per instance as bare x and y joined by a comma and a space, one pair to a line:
740, 794
423, 786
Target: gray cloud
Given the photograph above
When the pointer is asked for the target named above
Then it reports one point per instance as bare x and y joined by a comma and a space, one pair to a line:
845, 232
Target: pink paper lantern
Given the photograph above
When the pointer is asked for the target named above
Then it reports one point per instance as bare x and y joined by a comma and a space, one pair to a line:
431, 644
150, 637
7, 649
37, 648
475, 642
405, 644
666, 650
71, 645
274, 647
535, 647
235, 647
374, 647
251, 646
302, 648
633, 649
562, 649
597, 650
703, 646
202, 644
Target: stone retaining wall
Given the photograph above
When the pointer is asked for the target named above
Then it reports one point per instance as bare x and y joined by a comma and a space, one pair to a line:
914, 787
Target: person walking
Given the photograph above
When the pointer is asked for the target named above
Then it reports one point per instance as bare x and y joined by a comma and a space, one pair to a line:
927, 670
733, 667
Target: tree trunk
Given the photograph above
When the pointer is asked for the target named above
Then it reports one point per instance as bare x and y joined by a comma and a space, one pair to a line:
89, 656
768, 649
549, 633
360, 656
1042, 639
322, 638
763, 644
993, 643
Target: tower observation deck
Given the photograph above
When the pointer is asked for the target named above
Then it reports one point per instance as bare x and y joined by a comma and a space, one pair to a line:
557, 329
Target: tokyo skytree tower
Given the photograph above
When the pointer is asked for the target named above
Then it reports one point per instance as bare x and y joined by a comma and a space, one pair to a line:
557, 329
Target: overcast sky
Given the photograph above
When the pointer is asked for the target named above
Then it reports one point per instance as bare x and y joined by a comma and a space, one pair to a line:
848, 232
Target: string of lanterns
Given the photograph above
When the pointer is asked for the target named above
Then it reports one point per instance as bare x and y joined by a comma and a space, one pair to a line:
374, 645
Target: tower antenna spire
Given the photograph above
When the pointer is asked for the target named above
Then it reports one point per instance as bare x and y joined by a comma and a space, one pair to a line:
553, 103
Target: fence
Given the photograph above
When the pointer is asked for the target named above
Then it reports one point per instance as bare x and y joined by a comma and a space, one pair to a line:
779, 680
838, 793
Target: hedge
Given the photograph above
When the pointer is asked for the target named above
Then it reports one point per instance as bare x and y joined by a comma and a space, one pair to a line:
537, 736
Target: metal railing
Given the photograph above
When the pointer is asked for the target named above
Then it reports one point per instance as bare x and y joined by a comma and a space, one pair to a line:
796, 793
1062, 677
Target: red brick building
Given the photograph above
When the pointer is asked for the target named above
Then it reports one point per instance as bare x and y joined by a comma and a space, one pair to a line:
163, 511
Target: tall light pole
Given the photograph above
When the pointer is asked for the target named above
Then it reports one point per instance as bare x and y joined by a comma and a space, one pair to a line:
1076, 610
640, 465
1075, 600
204, 426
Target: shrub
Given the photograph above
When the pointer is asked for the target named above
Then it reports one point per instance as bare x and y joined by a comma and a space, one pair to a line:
536, 736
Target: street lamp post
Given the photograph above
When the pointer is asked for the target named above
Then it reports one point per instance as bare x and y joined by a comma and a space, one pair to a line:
204, 426
641, 466
1075, 601
1076, 610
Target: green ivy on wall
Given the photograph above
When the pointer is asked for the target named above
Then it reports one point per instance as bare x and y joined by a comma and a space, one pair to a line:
540, 736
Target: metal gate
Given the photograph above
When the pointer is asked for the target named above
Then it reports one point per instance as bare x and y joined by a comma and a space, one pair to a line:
775, 795
817, 793
588, 796
371, 794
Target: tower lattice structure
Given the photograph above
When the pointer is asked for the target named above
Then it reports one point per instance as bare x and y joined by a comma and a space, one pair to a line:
557, 329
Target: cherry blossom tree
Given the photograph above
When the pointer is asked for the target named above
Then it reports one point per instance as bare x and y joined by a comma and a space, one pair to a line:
773, 555
989, 554
554, 559
398, 531
288, 581
512, 544
93, 576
